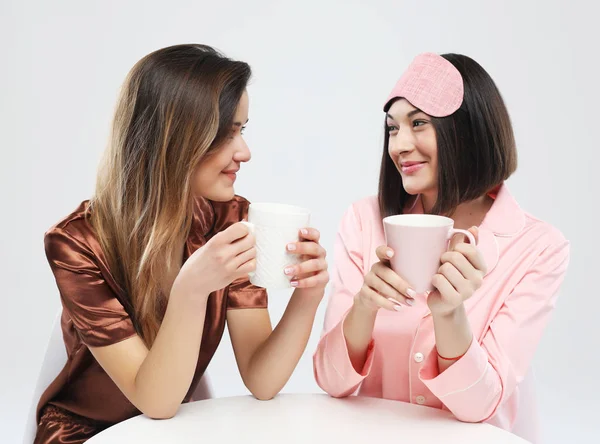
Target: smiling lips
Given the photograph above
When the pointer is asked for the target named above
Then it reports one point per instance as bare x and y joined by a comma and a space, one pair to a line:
411, 167
231, 174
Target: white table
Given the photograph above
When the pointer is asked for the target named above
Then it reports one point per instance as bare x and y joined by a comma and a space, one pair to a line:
304, 419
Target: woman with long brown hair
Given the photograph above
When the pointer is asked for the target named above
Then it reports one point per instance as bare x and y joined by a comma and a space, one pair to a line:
154, 265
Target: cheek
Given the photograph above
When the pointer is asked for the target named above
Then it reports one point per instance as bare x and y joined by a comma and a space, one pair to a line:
391, 150
430, 142
205, 173
211, 166
428, 147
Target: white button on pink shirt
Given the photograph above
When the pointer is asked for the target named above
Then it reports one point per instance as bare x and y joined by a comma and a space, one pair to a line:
526, 259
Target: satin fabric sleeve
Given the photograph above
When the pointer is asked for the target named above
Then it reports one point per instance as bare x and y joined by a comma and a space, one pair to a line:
98, 316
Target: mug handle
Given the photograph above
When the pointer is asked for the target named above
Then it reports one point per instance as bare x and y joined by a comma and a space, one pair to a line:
454, 231
251, 228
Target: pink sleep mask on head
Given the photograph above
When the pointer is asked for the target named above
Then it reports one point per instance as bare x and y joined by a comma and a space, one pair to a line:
432, 84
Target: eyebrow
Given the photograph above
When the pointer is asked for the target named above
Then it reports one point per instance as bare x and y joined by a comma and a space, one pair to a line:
240, 123
410, 114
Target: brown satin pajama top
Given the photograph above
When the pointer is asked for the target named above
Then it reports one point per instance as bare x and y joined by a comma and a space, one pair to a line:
83, 400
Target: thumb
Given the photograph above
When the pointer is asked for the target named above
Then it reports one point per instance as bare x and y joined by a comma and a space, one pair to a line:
384, 253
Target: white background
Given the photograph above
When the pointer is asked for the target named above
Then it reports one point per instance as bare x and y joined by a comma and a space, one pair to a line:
321, 72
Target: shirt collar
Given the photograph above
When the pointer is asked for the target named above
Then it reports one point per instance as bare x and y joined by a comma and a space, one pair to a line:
505, 217
203, 221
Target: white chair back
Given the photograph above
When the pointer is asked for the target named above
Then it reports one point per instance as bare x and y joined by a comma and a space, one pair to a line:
55, 359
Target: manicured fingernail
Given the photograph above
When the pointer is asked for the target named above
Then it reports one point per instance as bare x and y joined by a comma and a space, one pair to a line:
291, 247
398, 307
389, 253
304, 231
412, 293
288, 270
294, 283
397, 303
410, 302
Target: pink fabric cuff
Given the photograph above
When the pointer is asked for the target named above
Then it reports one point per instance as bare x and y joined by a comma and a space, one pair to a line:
459, 377
336, 351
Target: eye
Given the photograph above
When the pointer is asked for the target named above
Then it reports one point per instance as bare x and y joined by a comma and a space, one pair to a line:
419, 123
391, 128
234, 132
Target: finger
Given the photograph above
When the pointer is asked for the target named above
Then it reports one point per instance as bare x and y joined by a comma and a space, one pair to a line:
376, 299
244, 257
473, 255
389, 276
456, 279
243, 244
312, 249
384, 253
233, 233
375, 282
457, 238
311, 234
460, 262
447, 292
310, 266
320, 279
248, 267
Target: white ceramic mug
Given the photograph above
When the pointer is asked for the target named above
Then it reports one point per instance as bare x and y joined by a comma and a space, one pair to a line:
418, 241
275, 226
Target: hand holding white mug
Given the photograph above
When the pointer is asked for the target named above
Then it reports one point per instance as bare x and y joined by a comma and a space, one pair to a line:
229, 255
311, 272
275, 226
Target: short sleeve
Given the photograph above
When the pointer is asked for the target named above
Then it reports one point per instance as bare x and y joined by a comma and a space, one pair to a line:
242, 294
97, 314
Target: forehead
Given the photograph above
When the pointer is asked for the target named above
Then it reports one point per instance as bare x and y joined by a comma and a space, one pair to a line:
400, 109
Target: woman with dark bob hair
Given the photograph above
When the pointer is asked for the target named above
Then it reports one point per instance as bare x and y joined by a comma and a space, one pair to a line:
467, 345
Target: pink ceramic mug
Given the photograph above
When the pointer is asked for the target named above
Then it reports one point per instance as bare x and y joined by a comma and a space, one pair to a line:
418, 241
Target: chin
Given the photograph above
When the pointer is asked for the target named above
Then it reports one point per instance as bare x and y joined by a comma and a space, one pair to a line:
221, 195
413, 188
224, 196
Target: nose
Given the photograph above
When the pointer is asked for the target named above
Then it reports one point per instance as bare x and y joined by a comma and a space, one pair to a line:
242, 151
402, 142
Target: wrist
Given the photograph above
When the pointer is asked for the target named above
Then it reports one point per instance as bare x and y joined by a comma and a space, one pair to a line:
188, 298
307, 299
363, 310
450, 315
310, 295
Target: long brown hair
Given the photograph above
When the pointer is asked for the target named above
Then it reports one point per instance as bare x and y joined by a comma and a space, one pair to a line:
476, 146
176, 106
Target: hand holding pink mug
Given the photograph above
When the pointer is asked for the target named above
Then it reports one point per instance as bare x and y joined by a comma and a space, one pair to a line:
418, 241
